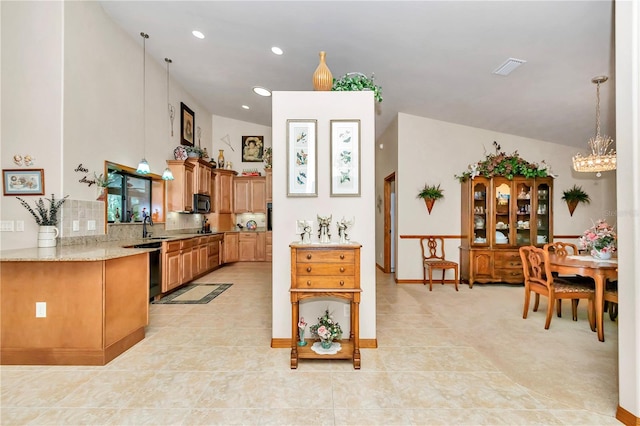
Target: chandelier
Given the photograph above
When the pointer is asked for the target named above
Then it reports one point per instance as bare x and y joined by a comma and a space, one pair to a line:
602, 157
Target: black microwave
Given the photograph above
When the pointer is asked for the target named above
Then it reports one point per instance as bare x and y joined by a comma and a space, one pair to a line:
201, 203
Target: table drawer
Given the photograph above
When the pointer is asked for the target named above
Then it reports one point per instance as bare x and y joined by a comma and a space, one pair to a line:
335, 255
310, 269
328, 282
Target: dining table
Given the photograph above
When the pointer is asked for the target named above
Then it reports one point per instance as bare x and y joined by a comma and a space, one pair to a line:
588, 266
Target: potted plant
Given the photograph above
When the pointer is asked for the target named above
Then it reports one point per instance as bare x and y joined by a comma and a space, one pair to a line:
47, 218
194, 151
103, 182
356, 81
573, 196
430, 193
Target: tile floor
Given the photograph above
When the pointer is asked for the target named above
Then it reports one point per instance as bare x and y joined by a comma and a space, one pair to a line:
444, 358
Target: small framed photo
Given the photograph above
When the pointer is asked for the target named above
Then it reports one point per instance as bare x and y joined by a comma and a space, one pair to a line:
187, 125
302, 170
345, 158
252, 148
23, 181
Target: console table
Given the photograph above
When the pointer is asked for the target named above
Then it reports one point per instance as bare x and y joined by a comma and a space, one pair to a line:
326, 270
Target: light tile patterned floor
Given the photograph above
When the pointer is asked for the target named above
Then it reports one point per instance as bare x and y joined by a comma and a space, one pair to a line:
444, 358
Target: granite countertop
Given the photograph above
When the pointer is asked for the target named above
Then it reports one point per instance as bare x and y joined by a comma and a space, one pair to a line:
89, 252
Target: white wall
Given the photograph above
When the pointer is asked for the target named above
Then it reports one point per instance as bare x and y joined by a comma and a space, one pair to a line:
386, 163
32, 72
432, 151
235, 130
323, 106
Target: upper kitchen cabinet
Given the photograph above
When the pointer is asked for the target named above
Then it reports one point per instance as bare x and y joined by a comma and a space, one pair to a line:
223, 190
180, 190
201, 176
250, 194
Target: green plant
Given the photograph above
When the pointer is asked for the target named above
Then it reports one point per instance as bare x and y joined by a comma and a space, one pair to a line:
195, 149
327, 328
45, 216
576, 194
431, 191
102, 181
355, 81
501, 164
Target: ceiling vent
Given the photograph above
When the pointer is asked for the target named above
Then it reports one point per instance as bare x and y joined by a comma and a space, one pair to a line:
508, 66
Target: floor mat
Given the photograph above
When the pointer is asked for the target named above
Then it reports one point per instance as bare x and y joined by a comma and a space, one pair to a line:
194, 294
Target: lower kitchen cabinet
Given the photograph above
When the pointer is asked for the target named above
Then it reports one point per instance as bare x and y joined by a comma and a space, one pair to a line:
186, 258
230, 247
247, 247
268, 256
261, 246
171, 274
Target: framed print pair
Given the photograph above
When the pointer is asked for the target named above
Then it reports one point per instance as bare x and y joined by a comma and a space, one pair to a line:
302, 168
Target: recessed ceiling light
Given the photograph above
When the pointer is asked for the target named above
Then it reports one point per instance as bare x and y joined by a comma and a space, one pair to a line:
277, 50
508, 66
262, 91
245, 106
197, 34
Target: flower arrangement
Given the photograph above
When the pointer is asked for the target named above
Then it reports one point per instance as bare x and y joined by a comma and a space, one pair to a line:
327, 330
45, 216
600, 238
431, 191
302, 325
501, 164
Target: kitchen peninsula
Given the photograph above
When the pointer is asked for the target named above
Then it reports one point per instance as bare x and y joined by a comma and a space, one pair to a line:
73, 305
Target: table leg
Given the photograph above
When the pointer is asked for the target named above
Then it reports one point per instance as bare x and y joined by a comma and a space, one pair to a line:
600, 280
294, 333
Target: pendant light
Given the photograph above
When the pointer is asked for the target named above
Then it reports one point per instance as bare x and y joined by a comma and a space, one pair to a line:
143, 166
602, 157
167, 175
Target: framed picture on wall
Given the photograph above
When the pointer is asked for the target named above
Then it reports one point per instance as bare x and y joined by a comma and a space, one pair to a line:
252, 148
187, 125
345, 158
23, 181
302, 170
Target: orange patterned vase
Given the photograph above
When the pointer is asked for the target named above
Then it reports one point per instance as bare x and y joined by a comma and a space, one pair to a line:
322, 78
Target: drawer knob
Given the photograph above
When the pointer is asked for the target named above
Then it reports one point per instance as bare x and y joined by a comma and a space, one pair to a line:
308, 282
309, 269
342, 256
341, 282
341, 269
308, 256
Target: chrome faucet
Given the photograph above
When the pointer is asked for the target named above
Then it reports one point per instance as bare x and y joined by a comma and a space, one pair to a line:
146, 216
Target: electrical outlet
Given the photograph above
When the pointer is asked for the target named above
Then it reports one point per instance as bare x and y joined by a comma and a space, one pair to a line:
20, 225
91, 225
41, 309
6, 225
76, 225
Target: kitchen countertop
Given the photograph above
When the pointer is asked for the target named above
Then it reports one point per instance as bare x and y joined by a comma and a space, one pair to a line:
88, 252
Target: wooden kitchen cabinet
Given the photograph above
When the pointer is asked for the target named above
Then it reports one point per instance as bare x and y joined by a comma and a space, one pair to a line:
498, 217
203, 255
269, 184
261, 246
214, 244
171, 271
268, 256
223, 190
326, 270
186, 260
201, 176
230, 244
247, 246
180, 190
250, 194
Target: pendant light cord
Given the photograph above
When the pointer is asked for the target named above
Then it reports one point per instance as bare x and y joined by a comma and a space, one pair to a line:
597, 109
144, 93
169, 106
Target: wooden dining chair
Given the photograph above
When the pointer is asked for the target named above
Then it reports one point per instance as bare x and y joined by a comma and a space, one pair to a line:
433, 257
539, 280
611, 299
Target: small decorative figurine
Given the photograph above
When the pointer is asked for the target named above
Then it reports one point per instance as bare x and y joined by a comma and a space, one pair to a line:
343, 224
323, 230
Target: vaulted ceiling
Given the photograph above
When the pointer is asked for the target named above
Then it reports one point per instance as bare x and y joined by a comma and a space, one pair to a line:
432, 58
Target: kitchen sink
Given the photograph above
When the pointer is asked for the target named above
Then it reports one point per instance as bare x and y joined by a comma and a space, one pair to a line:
155, 244
158, 238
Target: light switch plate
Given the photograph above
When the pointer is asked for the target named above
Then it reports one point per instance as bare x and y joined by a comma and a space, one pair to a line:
20, 225
41, 309
76, 225
6, 225
91, 225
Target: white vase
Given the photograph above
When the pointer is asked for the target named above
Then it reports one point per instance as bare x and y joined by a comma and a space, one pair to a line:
47, 236
602, 255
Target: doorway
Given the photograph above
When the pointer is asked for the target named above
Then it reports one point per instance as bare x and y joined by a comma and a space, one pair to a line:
389, 223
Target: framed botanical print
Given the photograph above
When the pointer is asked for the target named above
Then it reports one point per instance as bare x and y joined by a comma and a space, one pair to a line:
345, 158
187, 125
23, 181
302, 169
252, 148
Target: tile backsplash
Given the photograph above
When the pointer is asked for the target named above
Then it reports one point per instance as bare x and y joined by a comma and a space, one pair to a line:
86, 214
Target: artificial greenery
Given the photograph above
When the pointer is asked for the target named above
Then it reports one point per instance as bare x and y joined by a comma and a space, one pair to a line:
576, 194
327, 328
501, 164
103, 181
431, 191
195, 149
45, 216
355, 81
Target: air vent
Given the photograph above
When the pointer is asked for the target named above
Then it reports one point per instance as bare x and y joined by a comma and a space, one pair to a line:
508, 66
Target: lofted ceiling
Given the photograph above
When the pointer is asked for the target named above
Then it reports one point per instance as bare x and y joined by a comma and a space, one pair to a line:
432, 58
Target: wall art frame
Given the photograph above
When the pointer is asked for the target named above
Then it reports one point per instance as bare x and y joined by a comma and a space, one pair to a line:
252, 149
23, 181
187, 125
345, 158
302, 158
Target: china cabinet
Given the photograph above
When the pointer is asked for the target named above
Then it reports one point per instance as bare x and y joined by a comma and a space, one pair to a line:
326, 270
499, 216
